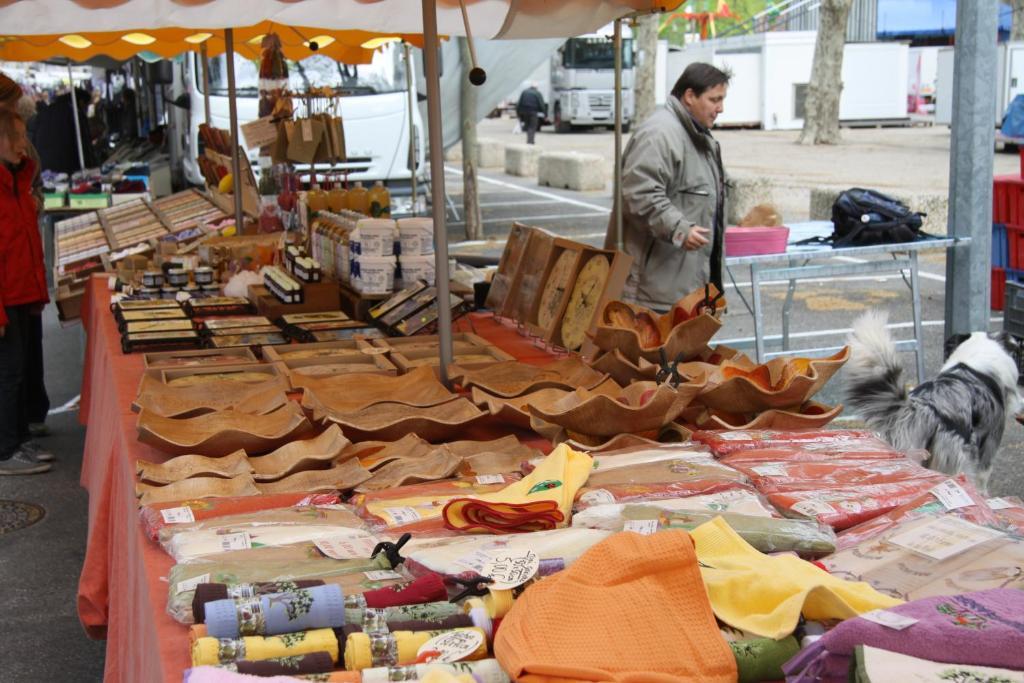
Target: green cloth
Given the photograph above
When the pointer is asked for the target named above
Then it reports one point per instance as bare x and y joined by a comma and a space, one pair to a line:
761, 659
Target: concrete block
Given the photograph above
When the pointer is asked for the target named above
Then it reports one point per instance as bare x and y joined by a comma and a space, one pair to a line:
935, 205
745, 194
454, 153
490, 153
571, 170
521, 160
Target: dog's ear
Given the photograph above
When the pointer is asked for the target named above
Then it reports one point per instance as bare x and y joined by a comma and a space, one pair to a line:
1009, 343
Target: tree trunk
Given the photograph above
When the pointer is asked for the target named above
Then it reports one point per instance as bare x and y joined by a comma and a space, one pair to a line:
646, 58
821, 116
1017, 28
470, 201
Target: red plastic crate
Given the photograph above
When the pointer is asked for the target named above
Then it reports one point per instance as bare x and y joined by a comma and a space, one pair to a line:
1015, 247
1008, 199
998, 288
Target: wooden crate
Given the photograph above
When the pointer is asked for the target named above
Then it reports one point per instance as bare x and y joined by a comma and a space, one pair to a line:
164, 359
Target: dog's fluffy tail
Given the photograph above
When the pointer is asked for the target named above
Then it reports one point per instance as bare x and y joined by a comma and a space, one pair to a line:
874, 386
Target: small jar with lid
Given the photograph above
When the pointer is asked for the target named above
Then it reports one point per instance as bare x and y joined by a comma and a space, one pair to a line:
153, 278
150, 292
211, 289
168, 292
177, 277
203, 275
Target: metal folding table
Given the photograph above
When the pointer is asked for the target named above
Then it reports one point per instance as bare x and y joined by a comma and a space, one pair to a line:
820, 261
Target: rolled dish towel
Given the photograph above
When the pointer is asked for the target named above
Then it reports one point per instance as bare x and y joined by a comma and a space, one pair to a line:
267, 615
401, 648
226, 650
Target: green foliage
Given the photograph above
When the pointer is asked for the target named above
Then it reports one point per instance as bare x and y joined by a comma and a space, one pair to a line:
675, 32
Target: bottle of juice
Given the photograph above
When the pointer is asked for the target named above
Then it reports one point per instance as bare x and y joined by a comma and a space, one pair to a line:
359, 199
337, 198
380, 201
316, 199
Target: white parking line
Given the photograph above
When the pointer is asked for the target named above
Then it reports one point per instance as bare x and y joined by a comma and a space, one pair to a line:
836, 332
494, 205
67, 407
536, 193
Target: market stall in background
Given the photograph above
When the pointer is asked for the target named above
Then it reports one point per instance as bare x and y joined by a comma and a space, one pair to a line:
317, 449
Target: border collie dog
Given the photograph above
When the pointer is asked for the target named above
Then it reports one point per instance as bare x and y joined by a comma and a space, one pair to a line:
958, 417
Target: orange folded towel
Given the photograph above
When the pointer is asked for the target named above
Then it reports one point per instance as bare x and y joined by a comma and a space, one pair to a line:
632, 609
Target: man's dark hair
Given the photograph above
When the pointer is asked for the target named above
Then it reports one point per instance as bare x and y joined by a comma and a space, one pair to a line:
699, 77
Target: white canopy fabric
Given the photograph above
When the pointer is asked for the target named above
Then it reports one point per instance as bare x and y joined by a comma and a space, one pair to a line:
488, 18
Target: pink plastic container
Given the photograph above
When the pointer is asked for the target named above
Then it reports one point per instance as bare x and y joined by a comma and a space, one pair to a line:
755, 241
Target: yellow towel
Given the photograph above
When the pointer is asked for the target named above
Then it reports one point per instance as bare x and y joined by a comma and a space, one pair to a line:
212, 651
442, 676
359, 652
766, 595
540, 501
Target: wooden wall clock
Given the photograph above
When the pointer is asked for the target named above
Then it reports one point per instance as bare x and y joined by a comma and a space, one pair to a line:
557, 284
583, 301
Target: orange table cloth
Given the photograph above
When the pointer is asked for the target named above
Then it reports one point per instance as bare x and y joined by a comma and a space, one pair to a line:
122, 591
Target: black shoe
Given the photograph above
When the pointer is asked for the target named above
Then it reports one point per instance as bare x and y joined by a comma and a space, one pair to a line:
37, 451
22, 462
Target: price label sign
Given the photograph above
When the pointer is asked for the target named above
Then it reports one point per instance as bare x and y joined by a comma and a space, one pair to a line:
450, 647
239, 541
644, 527
897, 622
383, 575
180, 515
490, 479
952, 495
944, 537
403, 515
510, 568
813, 508
190, 584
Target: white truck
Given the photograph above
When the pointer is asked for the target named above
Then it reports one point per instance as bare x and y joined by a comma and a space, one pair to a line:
374, 106
578, 84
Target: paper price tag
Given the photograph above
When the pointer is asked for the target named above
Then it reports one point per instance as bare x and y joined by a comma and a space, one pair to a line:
403, 515
259, 133
952, 495
239, 541
510, 568
307, 130
347, 547
450, 647
813, 508
644, 527
1001, 504
383, 575
490, 479
897, 622
180, 515
944, 537
597, 497
770, 470
190, 584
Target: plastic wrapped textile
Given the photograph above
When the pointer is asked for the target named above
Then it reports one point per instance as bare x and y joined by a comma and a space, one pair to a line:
806, 538
466, 555
211, 650
995, 561
875, 665
417, 508
154, 519
979, 628
183, 578
266, 528
798, 454
767, 595
842, 508
636, 493
644, 454
737, 501
926, 504
782, 476
761, 659
1010, 511
277, 613
424, 611
314, 663
484, 670
400, 648
828, 440
221, 674
209, 592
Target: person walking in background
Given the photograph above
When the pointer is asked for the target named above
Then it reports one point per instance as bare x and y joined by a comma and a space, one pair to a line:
529, 110
23, 294
673, 194
13, 99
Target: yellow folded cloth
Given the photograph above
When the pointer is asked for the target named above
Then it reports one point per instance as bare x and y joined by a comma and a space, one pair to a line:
442, 676
398, 648
212, 651
766, 595
540, 501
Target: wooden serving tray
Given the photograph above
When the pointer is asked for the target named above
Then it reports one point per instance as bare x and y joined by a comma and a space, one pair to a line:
198, 359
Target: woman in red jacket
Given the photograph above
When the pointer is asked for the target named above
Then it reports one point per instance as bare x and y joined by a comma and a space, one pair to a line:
22, 294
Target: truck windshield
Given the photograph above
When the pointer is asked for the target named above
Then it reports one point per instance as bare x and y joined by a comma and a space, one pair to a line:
386, 74
595, 53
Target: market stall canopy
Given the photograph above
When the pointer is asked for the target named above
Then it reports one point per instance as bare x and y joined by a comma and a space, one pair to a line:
488, 18
349, 47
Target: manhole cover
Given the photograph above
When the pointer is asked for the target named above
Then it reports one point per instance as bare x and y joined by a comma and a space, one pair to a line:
16, 515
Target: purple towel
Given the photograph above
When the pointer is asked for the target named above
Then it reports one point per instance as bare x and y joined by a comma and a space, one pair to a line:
268, 615
985, 628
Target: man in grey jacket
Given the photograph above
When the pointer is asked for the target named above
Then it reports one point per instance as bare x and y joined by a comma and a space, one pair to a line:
673, 193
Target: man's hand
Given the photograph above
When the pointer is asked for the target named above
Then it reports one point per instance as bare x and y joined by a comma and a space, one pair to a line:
3, 330
697, 238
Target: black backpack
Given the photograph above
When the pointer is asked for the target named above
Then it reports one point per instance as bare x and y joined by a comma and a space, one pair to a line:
863, 218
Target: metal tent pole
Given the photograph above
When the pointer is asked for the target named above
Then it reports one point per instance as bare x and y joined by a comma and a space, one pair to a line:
433, 78
204, 56
617, 182
970, 167
78, 124
236, 164
410, 86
